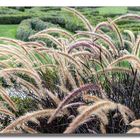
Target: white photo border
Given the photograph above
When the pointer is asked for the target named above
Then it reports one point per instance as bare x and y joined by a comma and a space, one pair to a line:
70, 3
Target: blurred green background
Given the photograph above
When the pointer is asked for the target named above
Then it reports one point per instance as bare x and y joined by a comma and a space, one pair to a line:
13, 21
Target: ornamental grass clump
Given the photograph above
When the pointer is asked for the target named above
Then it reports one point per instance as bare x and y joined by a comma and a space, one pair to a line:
86, 83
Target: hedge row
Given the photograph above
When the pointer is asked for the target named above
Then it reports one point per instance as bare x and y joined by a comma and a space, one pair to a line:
66, 23
136, 8
46, 14
31, 26
13, 19
11, 15
57, 17
6, 10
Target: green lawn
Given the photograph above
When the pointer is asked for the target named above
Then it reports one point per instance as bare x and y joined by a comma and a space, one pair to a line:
112, 10
8, 30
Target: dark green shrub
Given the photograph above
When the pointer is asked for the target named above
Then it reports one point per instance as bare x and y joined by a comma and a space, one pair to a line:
68, 23
31, 26
126, 21
35, 12
111, 15
72, 26
15, 15
136, 8
21, 8
24, 30
55, 20
13, 19
24, 105
46, 9
6, 10
37, 24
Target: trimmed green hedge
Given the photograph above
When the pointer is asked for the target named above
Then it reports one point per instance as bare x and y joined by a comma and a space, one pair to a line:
13, 19
31, 26
54, 15
136, 8
64, 19
6, 10
24, 30
12, 15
